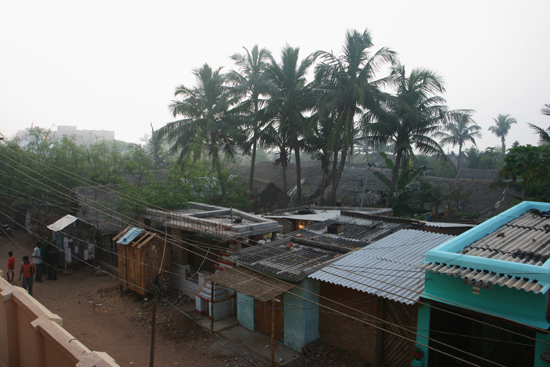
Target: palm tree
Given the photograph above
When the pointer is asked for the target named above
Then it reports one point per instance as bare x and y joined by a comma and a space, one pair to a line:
248, 84
289, 98
409, 118
502, 125
464, 129
544, 135
348, 85
316, 144
207, 124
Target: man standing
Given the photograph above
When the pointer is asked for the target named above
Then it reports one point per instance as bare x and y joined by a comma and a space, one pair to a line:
27, 271
37, 260
53, 262
11, 267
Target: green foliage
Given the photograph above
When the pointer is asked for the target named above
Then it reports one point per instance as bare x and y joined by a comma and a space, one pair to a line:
406, 199
528, 165
444, 168
491, 158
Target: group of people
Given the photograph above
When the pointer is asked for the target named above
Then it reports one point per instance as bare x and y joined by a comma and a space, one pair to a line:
45, 260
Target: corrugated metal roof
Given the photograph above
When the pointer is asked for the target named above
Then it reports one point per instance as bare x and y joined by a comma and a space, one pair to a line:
129, 235
386, 268
62, 223
485, 277
290, 263
525, 240
295, 262
251, 283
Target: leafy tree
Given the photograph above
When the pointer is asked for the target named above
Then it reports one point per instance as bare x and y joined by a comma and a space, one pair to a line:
408, 176
526, 163
348, 85
502, 126
207, 119
409, 118
249, 84
456, 195
156, 149
39, 141
459, 132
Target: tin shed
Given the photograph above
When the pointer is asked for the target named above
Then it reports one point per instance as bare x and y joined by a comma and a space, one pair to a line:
141, 256
75, 239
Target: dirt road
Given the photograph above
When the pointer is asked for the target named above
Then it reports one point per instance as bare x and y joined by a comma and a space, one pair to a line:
104, 319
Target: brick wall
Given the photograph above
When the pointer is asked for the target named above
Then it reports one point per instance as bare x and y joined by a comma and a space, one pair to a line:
345, 332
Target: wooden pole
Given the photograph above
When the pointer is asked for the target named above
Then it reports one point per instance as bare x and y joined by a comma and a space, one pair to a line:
212, 305
272, 332
154, 322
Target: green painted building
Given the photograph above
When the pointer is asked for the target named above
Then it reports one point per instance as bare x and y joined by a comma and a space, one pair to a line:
485, 294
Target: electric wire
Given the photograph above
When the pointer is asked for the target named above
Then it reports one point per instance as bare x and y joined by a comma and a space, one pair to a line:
382, 320
395, 334
215, 337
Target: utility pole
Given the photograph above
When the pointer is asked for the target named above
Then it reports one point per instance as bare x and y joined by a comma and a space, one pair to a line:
273, 331
156, 286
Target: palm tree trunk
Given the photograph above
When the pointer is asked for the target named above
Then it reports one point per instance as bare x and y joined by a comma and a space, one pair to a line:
337, 176
252, 164
404, 173
283, 160
394, 176
217, 166
298, 172
332, 195
322, 194
324, 170
459, 158
254, 145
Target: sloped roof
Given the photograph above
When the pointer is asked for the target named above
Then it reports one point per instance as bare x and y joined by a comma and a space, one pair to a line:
251, 283
128, 235
387, 268
135, 237
292, 262
510, 250
64, 222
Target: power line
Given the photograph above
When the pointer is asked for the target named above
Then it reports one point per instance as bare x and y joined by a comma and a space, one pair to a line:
183, 241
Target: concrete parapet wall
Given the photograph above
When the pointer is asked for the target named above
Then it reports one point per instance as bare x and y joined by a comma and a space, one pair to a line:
30, 335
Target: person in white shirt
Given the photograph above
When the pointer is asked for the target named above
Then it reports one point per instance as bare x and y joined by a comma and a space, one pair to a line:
37, 260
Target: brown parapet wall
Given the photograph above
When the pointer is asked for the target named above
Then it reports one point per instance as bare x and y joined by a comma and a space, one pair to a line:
46, 342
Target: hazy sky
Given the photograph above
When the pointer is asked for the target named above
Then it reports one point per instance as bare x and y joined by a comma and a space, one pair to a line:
114, 65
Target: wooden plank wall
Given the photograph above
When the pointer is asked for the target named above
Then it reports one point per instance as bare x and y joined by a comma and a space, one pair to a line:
396, 350
139, 266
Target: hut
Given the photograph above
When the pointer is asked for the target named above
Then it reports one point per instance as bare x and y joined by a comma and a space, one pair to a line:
75, 239
141, 256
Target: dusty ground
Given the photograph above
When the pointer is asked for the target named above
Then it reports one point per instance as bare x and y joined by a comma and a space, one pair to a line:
104, 319
95, 311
